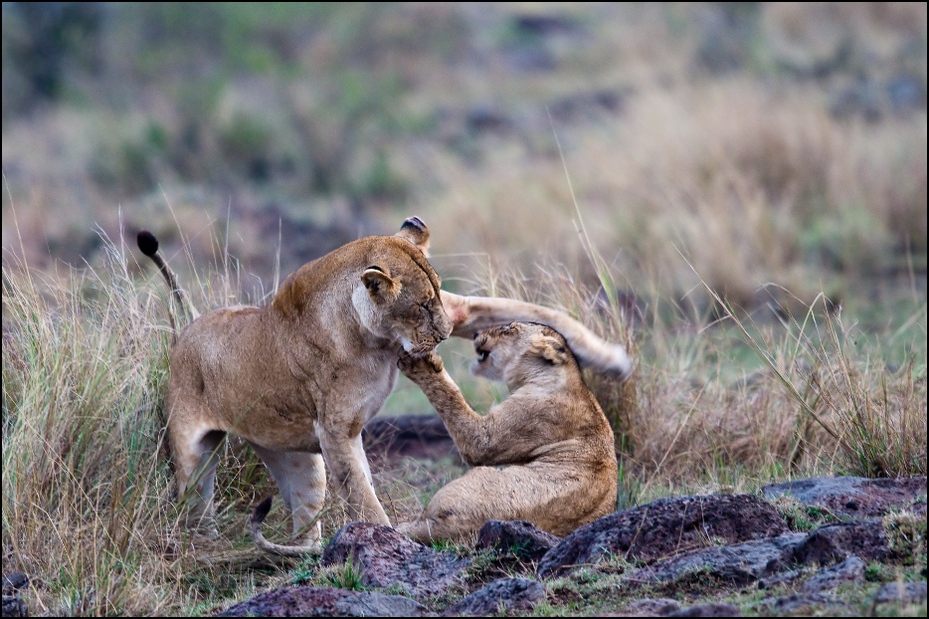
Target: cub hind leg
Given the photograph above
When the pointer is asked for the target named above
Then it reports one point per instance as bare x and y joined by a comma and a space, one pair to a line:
460, 508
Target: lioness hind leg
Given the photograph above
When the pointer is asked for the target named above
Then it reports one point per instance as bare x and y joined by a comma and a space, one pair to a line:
301, 478
195, 460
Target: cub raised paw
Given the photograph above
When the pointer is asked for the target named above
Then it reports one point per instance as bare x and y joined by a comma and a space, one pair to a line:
414, 366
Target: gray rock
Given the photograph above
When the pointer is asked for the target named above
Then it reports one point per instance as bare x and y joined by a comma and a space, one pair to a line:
663, 528
901, 593
708, 610
13, 606
780, 578
14, 582
500, 596
856, 497
737, 564
518, 537
803, 603
833, 543
651, 607
305, 601
386, 558
849, 570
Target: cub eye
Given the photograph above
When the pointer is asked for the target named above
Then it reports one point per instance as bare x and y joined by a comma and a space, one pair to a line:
482, 355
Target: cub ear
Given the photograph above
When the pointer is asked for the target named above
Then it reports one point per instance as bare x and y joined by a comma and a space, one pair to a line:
549, 349
380, 285
416, 232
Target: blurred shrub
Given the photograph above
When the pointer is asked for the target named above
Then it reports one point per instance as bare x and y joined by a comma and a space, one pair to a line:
128, 159
41, 42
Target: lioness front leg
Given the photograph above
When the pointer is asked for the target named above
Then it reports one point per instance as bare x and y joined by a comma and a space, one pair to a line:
348, 468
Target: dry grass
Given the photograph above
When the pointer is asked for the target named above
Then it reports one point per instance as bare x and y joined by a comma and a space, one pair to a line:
713, 401
755, 185
87, 499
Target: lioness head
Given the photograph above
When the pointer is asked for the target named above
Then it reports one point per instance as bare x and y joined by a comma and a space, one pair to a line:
400, 298
503, 350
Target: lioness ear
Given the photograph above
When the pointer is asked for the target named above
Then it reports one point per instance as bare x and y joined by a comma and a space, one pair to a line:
416, 232
379, 284
549, 349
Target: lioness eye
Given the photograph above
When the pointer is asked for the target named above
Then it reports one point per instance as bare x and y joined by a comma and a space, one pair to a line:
482, 355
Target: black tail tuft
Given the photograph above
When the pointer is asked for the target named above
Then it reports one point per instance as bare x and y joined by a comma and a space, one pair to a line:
147, 242
261, 512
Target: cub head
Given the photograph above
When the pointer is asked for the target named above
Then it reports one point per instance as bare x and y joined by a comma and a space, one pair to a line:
399, 297
517, 349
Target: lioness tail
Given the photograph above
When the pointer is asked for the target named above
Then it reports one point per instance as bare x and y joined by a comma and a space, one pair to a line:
254, 531
148, 245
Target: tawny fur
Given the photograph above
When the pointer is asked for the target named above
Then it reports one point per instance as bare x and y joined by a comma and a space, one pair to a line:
544, 455
472, 314
299, 377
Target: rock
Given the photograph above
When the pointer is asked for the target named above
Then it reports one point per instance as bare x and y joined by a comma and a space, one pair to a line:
803, 604
652, 607
849, 570
737, 564
306, 601
780, 578
857, 497
901, 593
387, 558
500, 596
707, 610
14, 582
418, 436
517, 537
833, 543
13, 606
665, 527
766, 559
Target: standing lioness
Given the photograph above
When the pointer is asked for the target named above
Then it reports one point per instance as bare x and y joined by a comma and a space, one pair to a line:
545, 454
299, 377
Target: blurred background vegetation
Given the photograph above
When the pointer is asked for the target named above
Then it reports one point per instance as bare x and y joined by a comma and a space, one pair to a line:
800, 128
774, 152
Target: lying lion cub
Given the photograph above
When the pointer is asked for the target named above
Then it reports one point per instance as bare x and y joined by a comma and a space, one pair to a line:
544, 455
